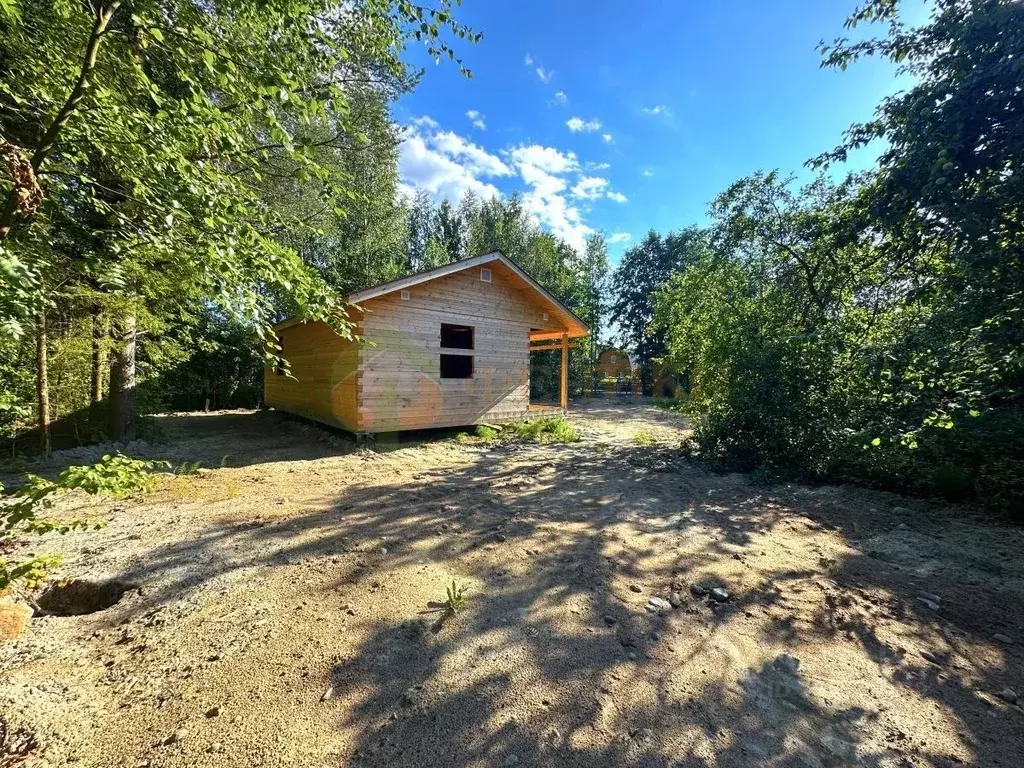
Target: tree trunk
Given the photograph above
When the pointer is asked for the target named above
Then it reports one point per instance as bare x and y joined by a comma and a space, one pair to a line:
42, 384
97, 417
122, 380
96, 383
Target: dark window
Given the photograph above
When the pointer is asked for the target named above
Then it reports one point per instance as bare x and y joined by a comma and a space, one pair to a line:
456, 366
457, 337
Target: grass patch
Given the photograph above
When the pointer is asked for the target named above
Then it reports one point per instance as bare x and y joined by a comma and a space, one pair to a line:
678, 405
554, 429
483, 433
643, 438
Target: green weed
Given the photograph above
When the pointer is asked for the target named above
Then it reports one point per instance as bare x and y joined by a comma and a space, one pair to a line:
554, 429
643, 437
457, 599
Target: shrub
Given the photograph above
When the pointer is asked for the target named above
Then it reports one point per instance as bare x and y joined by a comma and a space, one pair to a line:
116, 476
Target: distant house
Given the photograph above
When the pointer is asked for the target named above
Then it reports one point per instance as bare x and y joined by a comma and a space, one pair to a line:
613, 371
443, 348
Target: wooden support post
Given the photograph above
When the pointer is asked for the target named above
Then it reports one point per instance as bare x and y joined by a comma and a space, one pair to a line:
565, 372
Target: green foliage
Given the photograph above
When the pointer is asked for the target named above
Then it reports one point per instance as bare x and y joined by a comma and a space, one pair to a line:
552, 429
482, 434
644, 269
456, 597
208, 360
115, 475
188, 468
486, 432
680, 405
870, 330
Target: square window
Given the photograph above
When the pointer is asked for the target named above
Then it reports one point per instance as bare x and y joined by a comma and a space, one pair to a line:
456, 366
456, 336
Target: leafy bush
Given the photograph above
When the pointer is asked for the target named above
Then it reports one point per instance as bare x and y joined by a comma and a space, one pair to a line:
22, 514
117, 475
870, 330
553, 429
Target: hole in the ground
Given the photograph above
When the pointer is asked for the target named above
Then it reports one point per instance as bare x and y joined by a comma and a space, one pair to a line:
80, 596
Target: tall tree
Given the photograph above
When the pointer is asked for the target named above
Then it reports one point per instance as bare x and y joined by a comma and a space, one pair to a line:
163, 117
643, 270
450, 231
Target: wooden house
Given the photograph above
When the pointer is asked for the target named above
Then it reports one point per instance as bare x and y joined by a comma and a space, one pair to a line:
443, 348
613, 371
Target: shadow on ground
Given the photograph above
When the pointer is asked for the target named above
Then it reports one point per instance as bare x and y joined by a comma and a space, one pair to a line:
555, 662
823, 656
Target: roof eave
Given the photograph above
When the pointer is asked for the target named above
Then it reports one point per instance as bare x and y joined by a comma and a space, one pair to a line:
457, 266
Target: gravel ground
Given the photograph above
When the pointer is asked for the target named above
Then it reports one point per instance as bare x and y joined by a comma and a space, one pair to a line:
281, 610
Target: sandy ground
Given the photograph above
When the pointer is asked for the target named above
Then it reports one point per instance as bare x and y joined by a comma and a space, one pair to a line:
282, 613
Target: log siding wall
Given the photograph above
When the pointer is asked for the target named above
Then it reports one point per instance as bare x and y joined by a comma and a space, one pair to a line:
392, 382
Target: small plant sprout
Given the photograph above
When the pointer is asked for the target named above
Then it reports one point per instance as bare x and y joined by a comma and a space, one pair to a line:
188, 468
456, 597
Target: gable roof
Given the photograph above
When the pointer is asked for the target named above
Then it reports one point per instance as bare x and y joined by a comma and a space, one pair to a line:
458, 266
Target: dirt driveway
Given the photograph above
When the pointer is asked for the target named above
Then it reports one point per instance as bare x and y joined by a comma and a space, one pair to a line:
282, 613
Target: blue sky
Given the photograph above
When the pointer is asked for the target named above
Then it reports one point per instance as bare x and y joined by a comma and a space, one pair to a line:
630, 116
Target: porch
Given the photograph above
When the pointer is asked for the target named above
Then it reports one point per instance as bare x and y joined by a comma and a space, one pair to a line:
553, 341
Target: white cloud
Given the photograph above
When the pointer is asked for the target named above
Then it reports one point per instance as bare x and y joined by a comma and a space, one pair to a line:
445, 164
578, 124
448, 165
598, 166
658, 109
590, 187
424, 122
560, 97
546, 158
607, 138
619, 237
478, 119
528, 61
545, 75
475, 158
543, 170
648, 172
617, 197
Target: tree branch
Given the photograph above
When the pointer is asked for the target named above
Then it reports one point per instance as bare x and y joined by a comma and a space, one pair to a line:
65, 113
